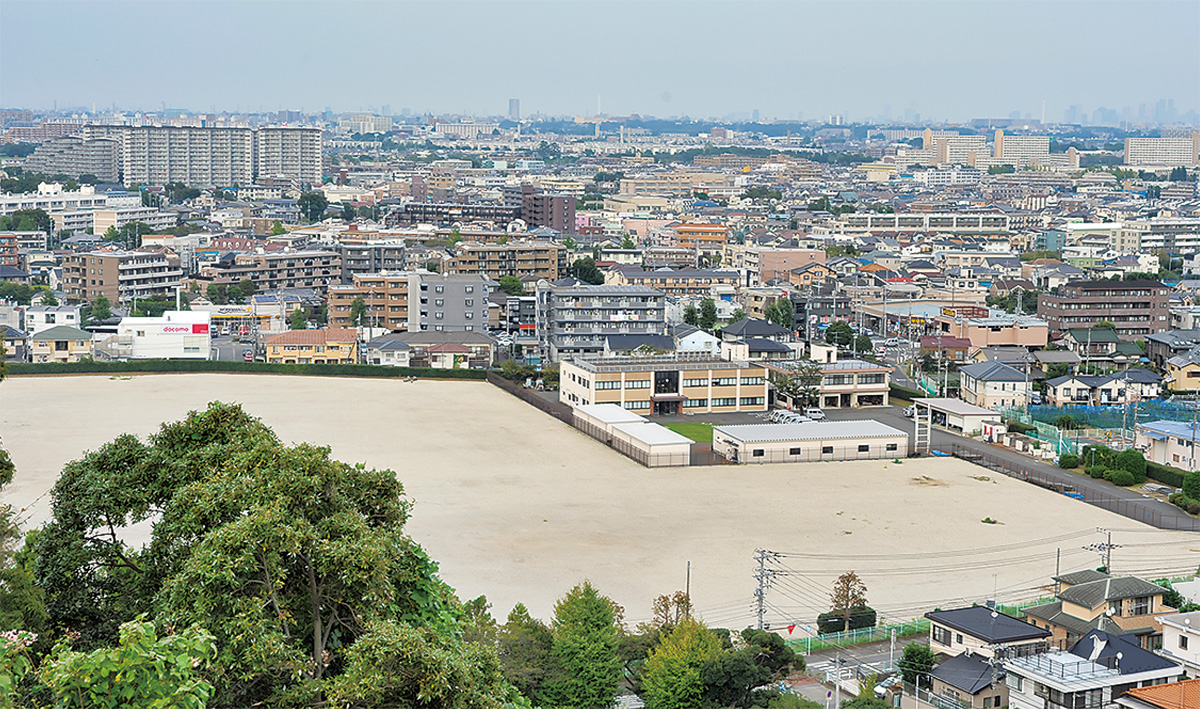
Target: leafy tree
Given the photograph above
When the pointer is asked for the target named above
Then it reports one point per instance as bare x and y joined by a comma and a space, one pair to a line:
839, 333
585, 270
1191, 485
511, 285
1066, 422
218, 293
863, 344
691, 315
348, 213
1105, 325
454, 238
101, 309
277, 228
672, 676
247, 287
524, 644
849, 592
731, 678
866, 701
738, 315
1178, 174
586, 668
803, 383
358, 311
48, 298
312, 205
760, 192
142, 671
1132, 461
627, 242
781, 312
1001, 169
915, 664
288, 557
569, 243
670, 611
16, 292
27, 219
397, 665
297, 320
708, 314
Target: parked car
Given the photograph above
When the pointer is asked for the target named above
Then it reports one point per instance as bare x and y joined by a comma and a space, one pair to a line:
910, 410
815, 414
248, 355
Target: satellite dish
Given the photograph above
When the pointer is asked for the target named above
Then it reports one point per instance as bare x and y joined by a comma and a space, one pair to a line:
1109, 612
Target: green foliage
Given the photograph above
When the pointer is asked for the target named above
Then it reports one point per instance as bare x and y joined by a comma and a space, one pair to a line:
1165, 474
1122, 478
835, 621
863, 344
731, 677
837, 250
691, 315
287, 556
585, 667
1001, 169
397, 665
218, 293
708, 314
312, 205
839, 333
524, 645
780, 312
868, 701
142, 671
672, 676
1096, 471
1066, 422
738, 315
1191, 485
516, 370
1026, 299
27, 219
18, 293
627, 242
1068, 460
358, 311
1132, 462
1106, 325
788, 700
297, 320
915, 664
277, 229
511, 285
585, 270
101, 309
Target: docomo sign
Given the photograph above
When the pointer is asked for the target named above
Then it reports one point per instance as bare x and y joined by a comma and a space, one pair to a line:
193, 329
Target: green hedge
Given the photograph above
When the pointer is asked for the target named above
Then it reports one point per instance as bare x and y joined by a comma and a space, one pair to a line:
1017, 427
1165, 474
155, 366
905, 393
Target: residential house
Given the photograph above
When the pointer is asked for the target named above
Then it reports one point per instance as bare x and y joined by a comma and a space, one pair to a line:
993, 385
811, 275
447, 349
624, 345
1162, 346
962, 682
16, 343
1047, 359
748, 327
756, 349
1102, 347
1089, 600
1172, 443
1184, 694
946, 348
689, 338
387, 351
983, 631
62, 343
1130, 386
44, 317
325, 346
1181, 642
1183, 371
1098, 669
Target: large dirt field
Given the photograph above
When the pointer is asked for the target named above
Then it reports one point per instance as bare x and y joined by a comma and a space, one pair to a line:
520, 507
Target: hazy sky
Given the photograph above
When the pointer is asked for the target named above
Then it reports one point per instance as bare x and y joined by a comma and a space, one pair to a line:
954, 59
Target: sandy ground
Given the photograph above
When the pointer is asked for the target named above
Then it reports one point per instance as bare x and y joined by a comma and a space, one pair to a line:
520, 507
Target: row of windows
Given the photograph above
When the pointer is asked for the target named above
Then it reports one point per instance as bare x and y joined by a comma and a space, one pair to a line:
724, 402
636, 404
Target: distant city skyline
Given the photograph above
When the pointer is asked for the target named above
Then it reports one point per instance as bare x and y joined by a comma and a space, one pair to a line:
862, 60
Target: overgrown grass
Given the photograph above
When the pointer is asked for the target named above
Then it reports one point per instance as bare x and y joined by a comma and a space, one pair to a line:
701, 432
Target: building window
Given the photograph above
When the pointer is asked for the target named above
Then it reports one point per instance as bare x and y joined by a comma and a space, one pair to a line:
725, 382
941, 635
826, 450
892, 447
439, 302
438, 315
468, 289
637, 384
751, 381
695, 382
1141, 606
724, 402
1183, 642
958, 638
439, 289
757, 453
608, 385
865, 448
795, 451
695, 403
753, 401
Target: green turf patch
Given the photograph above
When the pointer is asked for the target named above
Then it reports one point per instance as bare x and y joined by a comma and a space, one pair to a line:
701, 432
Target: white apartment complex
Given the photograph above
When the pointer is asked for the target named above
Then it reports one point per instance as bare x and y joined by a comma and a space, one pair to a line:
1162, 152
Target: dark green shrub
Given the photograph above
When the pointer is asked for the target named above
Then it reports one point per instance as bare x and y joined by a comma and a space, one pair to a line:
1017, 427
1068, 460
1191, 485
1123, 478
860, 617
1165, 474
1096, 471
1132, 461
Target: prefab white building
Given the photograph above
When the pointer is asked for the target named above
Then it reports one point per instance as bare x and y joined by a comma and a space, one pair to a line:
811, 441
178, 334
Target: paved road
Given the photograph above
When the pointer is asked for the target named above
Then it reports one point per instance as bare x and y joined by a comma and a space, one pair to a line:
228, 349
1131, 503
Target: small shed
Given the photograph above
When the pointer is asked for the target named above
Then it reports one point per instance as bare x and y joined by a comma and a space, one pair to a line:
952, 413
652, 445
810, 441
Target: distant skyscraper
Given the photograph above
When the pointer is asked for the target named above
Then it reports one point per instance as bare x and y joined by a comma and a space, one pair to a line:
514, 109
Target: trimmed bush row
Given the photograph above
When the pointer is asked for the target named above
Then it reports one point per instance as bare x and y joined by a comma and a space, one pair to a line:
905, 393
1165, 474
154, 366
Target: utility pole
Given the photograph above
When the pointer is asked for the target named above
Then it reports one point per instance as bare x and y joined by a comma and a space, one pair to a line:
1105, 548
763, 575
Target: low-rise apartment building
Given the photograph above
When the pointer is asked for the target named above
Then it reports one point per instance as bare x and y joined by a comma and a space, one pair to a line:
688, 282
541, 259
413, 301
993, 385
708, 239
671, 385
326, 346
281, 269
1136, 308
575, 321
105, 219
1173, 443
119, 276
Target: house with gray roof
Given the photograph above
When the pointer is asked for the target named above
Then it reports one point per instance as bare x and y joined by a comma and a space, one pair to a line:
991, 385
984, 631
1124, 605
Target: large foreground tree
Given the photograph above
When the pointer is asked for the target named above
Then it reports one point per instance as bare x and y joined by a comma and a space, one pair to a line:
296, 563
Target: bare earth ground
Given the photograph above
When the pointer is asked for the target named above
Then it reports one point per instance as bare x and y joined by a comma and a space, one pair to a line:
518, 506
